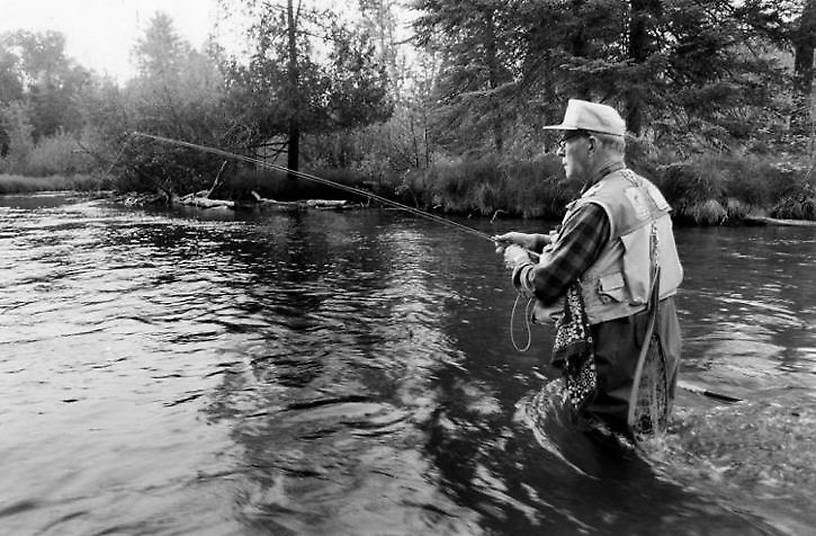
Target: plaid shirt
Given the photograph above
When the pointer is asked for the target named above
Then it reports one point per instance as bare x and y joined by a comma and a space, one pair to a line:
579, 244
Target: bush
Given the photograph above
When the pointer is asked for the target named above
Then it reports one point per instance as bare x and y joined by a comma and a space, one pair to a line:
14, 121
274, 184
60, 154
798, 204
714, 188
529, 188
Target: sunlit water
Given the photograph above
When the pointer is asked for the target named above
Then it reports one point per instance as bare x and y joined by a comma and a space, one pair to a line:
352, 373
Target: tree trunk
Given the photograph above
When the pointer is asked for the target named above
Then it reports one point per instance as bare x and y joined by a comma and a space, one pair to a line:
641, 46
578, 44
804, 40
493, 79
294, 94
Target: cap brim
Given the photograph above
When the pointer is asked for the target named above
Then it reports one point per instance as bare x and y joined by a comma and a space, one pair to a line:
559, 127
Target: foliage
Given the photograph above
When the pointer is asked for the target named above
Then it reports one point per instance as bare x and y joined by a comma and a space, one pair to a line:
486, 186
17, 142
36, 71
57, 155
715, 93
308, 73
798, 203
179, 94
685, 72
273, 184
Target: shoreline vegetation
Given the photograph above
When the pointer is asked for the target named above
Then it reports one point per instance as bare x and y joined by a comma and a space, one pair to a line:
719, 101
707, 190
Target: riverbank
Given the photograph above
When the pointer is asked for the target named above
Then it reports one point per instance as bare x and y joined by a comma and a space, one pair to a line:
710, 190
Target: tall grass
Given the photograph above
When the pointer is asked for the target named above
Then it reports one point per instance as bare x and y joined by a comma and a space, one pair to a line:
716, 189
18, 184
60, 154
527, 188
709, 189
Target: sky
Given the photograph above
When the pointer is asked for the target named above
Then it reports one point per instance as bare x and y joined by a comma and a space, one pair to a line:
100, 34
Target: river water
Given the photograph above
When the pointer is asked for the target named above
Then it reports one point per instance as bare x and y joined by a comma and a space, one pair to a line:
352, 373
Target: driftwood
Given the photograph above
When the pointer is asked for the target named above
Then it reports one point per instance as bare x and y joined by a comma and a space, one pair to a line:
278, 205
764, 220
201, 200
327, 203
324, 204
217, 180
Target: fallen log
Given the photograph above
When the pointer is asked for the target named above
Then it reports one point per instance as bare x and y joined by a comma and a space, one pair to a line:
765, 220
326, 203
204, 202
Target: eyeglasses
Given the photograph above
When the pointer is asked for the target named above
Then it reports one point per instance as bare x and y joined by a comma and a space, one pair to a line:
571, 135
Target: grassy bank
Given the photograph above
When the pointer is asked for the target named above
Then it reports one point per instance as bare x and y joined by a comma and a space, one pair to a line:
18, 184
712, 189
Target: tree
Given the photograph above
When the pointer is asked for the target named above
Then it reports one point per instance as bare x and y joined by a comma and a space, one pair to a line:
673, 67
803, 38
643, 44
475, 40
308, 74
179, 93
51, 81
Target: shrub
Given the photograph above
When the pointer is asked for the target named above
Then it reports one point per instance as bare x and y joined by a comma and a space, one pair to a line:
60, 154
708, 212
274, 184
14, 120
798, 204
688, 185
717, 187
530, 188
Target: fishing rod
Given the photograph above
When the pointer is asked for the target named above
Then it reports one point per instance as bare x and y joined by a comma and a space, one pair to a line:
385, 201
320, 180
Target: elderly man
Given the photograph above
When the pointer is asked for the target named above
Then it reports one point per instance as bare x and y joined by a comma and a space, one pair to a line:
615, 261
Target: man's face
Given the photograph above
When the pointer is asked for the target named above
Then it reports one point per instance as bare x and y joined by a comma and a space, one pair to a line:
574, 152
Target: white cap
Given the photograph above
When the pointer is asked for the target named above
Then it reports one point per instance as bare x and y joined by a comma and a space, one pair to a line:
584, 115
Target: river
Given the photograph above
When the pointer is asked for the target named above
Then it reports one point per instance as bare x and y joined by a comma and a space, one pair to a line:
352, 373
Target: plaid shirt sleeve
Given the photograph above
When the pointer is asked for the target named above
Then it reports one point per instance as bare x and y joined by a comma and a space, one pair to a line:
578, 245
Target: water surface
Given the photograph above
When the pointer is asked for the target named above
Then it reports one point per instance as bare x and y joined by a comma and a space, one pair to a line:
352, 373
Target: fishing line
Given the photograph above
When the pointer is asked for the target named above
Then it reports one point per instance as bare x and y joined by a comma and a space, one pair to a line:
362, 193
392, 203
526, 324
321, 180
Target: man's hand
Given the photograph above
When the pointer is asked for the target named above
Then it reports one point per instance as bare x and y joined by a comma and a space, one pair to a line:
514, 256
527, 241
530, 242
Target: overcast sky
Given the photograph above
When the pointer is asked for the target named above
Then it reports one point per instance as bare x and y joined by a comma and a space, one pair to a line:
100, 34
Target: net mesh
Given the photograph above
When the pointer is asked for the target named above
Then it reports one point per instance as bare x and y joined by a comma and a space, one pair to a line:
652, 402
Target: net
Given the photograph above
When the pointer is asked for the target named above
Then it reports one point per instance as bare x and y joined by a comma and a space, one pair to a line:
651, 398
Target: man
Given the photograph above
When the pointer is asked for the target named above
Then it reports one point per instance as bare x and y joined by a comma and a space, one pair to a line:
614, 244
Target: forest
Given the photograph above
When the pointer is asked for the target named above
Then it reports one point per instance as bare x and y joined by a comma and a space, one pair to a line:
434, 103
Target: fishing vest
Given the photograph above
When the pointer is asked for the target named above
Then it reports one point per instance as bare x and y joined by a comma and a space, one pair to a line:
618, 283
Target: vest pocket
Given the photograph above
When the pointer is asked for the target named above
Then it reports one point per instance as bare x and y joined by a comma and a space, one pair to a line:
636, 264
612, 287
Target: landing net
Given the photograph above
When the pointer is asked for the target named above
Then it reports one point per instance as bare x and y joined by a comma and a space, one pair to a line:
652, 404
